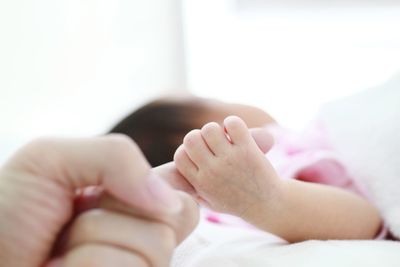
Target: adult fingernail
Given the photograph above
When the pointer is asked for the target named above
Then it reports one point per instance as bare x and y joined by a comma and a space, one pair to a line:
163, 193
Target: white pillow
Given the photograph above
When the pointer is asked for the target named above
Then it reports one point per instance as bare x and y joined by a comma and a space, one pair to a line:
365, 129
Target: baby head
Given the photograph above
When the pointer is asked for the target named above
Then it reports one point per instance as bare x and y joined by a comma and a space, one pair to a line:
159, 126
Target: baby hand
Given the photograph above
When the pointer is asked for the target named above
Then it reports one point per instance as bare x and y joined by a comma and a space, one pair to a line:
228, 171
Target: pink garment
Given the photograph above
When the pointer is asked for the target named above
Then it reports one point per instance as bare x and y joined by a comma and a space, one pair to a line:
307, 157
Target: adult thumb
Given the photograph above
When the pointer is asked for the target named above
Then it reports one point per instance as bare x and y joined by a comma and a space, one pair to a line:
115, 162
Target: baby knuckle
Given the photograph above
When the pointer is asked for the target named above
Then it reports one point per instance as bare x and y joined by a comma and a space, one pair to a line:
192, 137
234, 122
178, 155
210, 128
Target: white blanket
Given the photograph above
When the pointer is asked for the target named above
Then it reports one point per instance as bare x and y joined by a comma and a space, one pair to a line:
212, 245
365, 130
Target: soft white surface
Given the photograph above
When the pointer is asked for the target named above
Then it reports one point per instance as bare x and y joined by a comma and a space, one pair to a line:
212, 245
365, 129
306, 254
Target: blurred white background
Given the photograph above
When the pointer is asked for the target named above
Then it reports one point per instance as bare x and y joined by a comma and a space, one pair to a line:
73, 68
290, 56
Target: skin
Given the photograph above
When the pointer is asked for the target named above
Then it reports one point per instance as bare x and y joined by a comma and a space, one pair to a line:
231, 174
171, 174
88, 202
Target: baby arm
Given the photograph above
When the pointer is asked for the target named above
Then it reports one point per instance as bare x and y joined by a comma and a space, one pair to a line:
233, 176
312, 211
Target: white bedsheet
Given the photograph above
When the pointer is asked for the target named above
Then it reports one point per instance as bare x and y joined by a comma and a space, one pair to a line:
365, 131
212, 245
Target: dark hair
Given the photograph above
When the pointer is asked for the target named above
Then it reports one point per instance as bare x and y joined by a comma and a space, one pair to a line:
159, 127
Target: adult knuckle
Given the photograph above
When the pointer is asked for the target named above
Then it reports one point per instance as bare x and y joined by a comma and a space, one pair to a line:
120, 144
41, 144
38, 142
28, 156
119, 140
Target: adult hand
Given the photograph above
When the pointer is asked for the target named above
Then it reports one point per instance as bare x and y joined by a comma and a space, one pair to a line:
138, 219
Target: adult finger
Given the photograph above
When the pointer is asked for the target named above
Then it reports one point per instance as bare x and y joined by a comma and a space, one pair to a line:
114, 161
183, 223
170, 173
99, 255
154, 241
